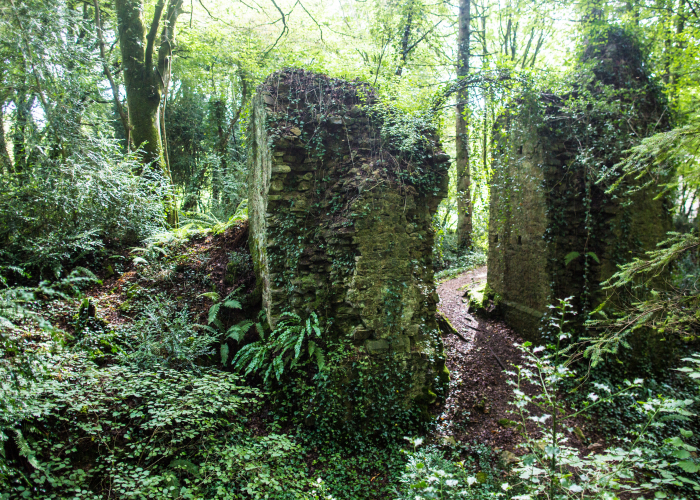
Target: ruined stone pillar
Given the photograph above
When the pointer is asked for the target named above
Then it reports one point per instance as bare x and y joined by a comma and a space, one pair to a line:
554, 229
341, 198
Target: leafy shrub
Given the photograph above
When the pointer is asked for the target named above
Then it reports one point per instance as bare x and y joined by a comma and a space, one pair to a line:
137, 433
59, 211
164, 336
430, 474
552, 469
462, 263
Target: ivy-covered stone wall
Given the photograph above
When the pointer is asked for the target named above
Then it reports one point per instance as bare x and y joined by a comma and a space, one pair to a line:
342, 192
557, 229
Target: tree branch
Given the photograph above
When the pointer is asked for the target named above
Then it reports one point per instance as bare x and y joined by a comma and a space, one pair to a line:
285, 29
151, 37
108, 74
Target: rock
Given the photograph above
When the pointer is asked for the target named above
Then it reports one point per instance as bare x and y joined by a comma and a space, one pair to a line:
449, 441
376, 346
595, 446
295, 130
444, 324
509, 458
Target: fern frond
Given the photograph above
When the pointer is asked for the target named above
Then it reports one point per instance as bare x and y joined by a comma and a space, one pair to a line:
233, 304
213, 312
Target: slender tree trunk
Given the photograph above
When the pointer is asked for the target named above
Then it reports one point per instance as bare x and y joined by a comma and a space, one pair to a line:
218, 111
405, 39
464, 209
680, 47
225, 130
19, 134
146, 81
110, 78
5, 161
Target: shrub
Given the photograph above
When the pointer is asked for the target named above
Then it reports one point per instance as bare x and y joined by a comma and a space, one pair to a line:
164, 336
59, 211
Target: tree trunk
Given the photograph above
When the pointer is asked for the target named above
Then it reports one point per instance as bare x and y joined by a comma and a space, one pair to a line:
5, 162
405, 39
22, 122
144, 81
464, 209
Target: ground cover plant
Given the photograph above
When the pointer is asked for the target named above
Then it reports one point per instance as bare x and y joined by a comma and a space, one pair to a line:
140, 357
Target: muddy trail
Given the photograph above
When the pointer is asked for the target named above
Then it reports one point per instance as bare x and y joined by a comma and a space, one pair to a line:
477, 408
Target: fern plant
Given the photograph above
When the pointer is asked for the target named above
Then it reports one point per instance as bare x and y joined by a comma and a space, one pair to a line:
282, 348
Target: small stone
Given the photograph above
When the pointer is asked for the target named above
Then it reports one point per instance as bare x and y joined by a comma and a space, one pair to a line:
277, 185
449, 441
376, 346
281, 169
509, 458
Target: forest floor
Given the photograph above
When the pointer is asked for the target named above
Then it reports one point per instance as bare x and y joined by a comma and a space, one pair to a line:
478, 406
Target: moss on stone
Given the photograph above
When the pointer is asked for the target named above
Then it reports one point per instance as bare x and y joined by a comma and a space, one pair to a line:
547, 203
341, 219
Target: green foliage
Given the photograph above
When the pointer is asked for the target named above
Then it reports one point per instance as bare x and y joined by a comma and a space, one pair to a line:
432, 474
144, 432
693, 370
161, 335
662, 306
60, 212
552, 469
287, 345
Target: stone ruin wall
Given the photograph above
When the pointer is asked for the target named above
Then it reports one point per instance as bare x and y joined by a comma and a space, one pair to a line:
518, 254
537, 211
341, 224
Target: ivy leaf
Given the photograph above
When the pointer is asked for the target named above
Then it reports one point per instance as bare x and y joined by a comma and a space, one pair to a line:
185, 464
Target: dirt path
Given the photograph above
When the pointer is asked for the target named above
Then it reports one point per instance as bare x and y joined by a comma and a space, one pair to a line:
479, 393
